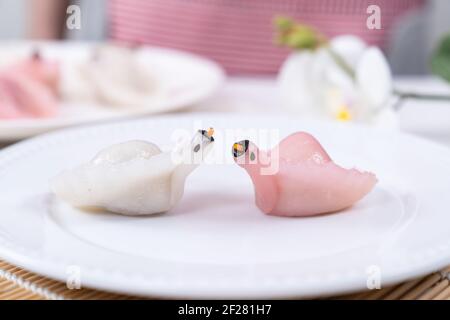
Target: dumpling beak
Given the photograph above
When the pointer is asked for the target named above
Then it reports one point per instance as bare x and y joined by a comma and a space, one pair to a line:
208, 134
239, 148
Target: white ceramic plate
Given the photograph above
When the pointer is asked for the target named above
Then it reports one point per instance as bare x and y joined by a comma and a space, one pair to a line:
187, 79
216, 243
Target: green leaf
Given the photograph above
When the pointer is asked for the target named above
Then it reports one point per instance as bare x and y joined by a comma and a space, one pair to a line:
440, 61
283, 24
296, 35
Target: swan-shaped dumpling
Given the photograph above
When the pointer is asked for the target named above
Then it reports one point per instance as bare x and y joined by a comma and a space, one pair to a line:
131, 82
134, 177
298, 178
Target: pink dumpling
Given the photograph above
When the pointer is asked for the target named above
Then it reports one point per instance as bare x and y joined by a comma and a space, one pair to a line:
39, 69
24, 97
29, 89
302, 179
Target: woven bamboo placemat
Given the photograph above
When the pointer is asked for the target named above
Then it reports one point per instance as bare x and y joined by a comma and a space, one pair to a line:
19, 284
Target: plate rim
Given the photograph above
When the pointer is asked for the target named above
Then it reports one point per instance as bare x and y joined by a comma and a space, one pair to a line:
9, 251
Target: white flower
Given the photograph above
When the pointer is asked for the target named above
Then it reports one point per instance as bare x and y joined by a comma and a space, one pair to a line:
312, 83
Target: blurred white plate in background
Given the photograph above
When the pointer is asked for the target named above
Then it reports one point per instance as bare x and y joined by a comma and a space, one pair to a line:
216, 243
187, 79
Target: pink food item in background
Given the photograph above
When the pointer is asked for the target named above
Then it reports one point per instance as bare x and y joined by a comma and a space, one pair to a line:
298, 177
29, 89
39, 69
31, 98
8, 106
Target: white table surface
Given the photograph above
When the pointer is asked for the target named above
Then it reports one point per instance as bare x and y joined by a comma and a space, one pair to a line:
429, 119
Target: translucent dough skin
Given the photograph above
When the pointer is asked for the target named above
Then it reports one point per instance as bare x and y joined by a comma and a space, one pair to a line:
307, 182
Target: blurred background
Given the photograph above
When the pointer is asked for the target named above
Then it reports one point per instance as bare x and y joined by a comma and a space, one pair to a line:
411, 63
410, 31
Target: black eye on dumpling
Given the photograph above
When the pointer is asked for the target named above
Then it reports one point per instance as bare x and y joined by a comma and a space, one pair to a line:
197, 148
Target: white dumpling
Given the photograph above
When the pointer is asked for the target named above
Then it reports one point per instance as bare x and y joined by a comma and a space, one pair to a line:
131, 82
131, 178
